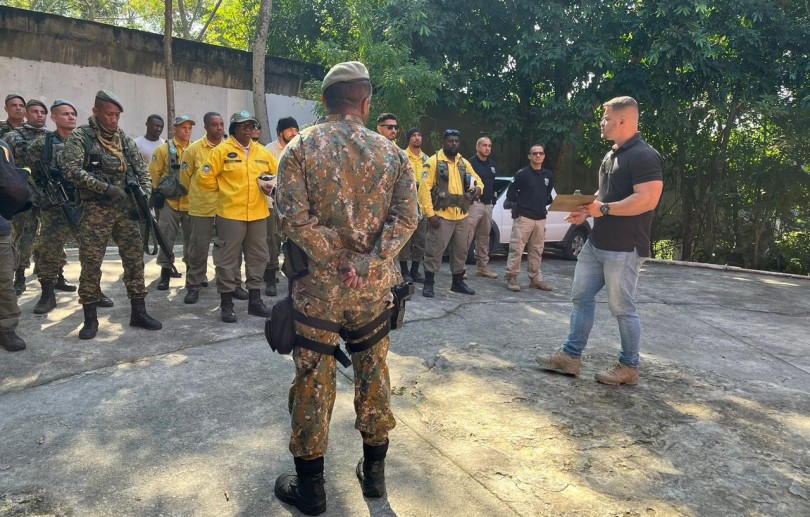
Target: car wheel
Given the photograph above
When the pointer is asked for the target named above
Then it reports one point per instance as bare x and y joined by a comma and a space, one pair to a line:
573, 246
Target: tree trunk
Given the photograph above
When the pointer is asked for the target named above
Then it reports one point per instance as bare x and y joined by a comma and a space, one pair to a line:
169, 69
259, 53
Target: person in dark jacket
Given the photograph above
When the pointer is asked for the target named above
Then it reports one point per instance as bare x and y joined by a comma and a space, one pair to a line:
9, 310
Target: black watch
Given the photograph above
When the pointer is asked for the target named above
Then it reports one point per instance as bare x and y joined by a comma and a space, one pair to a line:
605, 208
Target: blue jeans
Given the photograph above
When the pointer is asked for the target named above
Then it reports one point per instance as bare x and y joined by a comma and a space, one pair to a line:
618, 272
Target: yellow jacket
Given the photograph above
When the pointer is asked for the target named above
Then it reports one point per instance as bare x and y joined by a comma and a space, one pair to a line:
428, 180
159, 167
417, 164
234, 174
201, 203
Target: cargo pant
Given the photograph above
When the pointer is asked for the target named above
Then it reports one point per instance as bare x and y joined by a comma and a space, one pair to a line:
25, 232
99, 222
448, 232
234, 238
50, 247
313, 391
414, 249
203, 230
9, 310
533, 232
480, 220
170, 221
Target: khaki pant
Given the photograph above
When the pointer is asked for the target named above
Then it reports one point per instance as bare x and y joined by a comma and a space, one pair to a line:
169, 222
234, 238
449, 232
313, 391
533, 232
480, 217
414, 249
9, 310
202, 230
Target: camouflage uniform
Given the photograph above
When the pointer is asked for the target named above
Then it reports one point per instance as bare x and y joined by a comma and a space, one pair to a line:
53, 223
102, 218
25, 224
347, 197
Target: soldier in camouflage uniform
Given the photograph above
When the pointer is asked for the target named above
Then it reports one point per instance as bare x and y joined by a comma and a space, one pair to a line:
347, 197
100, 159
26, 223
15, 109
44, 159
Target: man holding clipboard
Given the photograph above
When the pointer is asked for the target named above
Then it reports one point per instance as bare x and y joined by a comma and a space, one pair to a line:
630, 186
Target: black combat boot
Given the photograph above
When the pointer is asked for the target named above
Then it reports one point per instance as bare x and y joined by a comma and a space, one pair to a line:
403, 268
415, 275
62, 285
104, 301
192, 295
175, 275
47, 302
256, 306
458, 285
90, 327
239, 293
371, 470
427, 290
19, 281
165, 276
226, 308
305, 489
139, 318
270, 282
11, 341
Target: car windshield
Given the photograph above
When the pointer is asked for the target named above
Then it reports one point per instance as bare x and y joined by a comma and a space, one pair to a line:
501, 184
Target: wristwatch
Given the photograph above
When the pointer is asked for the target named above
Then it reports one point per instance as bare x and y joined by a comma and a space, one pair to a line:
605, 208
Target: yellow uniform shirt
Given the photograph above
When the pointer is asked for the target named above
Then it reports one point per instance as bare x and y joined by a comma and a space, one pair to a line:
234, 174
428, 180
417, 164
201, 203
159, 167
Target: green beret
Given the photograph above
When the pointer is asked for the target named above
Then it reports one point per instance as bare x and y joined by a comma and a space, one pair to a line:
183, 118
108, 96
242, 116
14, 96
347, 72
62, 102
35, 102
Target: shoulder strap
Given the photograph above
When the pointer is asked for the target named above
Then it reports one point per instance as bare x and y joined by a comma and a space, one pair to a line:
174, 158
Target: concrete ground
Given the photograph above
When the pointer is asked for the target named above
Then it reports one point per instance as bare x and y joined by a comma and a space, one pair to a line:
192, 420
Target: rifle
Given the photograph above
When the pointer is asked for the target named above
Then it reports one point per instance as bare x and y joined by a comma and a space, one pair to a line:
136, 192
54, 188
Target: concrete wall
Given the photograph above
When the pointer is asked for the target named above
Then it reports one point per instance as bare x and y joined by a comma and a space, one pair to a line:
48, 57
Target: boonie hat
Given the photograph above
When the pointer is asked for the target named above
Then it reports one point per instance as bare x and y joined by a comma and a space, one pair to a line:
183, 118
347, 72
108, 96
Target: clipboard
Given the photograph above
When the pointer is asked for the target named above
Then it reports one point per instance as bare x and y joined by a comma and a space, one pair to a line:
570, 202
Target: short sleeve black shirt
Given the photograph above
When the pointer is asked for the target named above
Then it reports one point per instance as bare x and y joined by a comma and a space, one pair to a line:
486, 170
633, 163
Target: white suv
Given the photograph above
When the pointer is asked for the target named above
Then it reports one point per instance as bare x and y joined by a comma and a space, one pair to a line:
560, 234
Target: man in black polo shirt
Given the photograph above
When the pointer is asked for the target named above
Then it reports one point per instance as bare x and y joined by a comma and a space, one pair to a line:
630, 185
480, 214
529, 193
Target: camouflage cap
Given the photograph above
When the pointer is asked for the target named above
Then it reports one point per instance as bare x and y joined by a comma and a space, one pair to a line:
108, 96
183, 118
35, 102
347, 72
242, 116
14, 96
62, 102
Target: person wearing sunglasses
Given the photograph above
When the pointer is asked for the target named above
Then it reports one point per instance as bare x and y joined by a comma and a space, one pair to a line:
387, 125
234, 169
448, 187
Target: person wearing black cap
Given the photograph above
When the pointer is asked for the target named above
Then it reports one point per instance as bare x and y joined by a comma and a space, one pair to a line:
414, 249
347, 199
15, 110
164, 168
100, 159
26, 224
44, 159
286, 129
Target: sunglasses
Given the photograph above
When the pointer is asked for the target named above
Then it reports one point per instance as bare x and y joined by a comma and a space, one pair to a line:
251, 126
390, 127
538, 153
452, 132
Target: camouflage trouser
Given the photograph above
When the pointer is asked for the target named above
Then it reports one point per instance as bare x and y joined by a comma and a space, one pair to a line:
99, 223
9, 310
50, 247
25, 231
312, 394
273, 239
414, 249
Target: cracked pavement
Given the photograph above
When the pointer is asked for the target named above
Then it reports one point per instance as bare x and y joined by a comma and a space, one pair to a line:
191, 420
